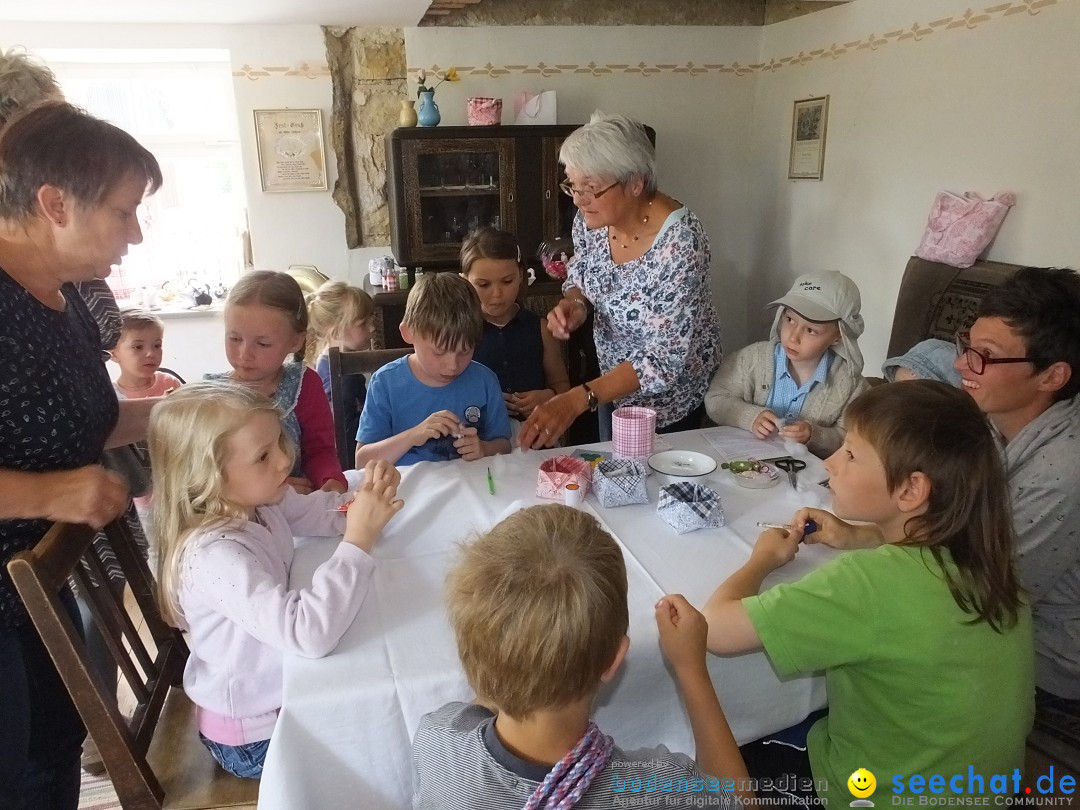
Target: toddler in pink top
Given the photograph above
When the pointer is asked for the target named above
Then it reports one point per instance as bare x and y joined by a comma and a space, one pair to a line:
138, 353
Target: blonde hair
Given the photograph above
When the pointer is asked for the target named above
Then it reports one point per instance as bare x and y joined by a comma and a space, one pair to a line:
445, 309
538, 607
332, 309
188, 434
276, 290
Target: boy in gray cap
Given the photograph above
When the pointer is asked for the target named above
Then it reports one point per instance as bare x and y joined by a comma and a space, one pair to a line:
932, 359
797, 383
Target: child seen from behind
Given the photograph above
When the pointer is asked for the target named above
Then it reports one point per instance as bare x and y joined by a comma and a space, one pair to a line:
266, 324
539, 610
920, 626
517, 345
797, 383
435, 404
343, 317
224, 521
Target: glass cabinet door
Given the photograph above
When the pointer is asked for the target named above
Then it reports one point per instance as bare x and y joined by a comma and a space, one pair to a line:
453, 187
559, 210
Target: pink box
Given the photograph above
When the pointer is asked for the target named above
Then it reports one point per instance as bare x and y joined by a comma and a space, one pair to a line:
633, 431
557, 472
481, 111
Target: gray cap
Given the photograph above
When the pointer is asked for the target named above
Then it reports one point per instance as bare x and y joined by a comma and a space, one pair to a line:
930, 360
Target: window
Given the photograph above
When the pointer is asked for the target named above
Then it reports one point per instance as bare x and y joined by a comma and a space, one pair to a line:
180, 106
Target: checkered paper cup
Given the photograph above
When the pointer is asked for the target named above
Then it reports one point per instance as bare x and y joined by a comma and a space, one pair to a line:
633, 432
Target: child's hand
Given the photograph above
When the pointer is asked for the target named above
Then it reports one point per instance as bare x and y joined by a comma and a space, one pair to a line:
525, 403
777, 547
683, 631
765, 425
333, 485
468, 446
797, 431
374, 503
440, 423
836, 533
301, 485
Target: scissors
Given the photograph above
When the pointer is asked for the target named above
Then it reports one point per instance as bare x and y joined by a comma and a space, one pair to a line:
791, 466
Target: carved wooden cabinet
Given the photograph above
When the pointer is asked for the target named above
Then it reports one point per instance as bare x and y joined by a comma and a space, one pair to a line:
447, 181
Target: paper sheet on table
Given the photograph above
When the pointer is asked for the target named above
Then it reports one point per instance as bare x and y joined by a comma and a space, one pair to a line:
733, 443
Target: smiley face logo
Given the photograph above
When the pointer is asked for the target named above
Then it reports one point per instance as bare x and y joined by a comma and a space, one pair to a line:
862, 783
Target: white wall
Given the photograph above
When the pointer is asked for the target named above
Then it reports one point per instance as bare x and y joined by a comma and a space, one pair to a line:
983, 106
702, 122
274, 66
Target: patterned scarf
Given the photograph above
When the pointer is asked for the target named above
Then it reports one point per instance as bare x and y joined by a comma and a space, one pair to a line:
567, 782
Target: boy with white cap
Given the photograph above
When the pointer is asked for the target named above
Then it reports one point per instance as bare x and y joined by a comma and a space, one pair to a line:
797, 383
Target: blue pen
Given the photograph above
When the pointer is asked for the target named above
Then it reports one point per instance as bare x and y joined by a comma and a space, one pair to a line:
810, 528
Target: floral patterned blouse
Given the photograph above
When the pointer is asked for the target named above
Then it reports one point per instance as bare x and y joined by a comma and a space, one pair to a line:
655, 311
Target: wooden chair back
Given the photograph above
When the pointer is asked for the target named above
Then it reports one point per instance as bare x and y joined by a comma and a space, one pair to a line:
341, 365
154, 758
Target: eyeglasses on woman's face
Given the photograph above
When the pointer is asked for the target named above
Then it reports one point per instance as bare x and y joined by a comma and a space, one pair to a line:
978, 361
583, 195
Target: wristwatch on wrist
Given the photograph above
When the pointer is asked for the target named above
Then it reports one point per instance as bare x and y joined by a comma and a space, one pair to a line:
594, 403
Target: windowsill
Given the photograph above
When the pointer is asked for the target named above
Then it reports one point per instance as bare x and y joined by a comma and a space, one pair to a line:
167, 313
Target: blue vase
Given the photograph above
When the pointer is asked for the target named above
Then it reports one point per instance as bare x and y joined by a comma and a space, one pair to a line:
428, 114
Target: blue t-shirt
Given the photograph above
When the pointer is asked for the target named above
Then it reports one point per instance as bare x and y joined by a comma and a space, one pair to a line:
397, 401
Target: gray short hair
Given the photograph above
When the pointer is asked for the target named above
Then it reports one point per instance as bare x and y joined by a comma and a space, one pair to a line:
24, 82
611, 146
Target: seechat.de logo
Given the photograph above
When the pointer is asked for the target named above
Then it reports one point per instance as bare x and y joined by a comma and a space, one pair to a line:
862, 785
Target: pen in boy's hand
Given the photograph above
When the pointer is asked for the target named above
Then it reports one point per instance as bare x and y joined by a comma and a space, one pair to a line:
491, 482
810, 527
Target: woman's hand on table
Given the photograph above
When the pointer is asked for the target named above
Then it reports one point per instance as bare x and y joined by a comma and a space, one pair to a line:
374, 503
683, 631
550, 420
90, 495
836, 533
566, 316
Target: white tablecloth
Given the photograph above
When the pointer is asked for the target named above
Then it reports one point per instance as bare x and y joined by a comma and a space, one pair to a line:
343, 735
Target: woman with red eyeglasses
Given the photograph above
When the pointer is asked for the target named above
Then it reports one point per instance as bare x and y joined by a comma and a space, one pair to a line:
641, 266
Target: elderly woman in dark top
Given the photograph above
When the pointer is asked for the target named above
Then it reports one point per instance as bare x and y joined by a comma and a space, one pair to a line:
641, 265
70, 185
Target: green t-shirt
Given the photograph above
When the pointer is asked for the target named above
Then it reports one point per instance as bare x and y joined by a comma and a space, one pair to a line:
913, 688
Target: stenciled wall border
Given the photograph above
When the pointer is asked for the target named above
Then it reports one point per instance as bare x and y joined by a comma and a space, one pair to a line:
916, 32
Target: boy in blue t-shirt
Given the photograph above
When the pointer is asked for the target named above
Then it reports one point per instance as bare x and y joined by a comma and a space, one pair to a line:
435, 404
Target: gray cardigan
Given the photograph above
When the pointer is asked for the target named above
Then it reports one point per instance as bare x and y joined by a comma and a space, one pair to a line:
1044, 487
740, 388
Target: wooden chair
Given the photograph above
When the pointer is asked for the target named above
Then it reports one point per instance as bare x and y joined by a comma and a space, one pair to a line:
342, 364
155, 759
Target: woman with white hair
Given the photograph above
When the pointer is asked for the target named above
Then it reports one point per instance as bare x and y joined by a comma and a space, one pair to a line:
641, 266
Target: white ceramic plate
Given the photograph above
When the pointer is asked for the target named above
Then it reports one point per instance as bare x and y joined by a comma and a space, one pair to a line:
682, 465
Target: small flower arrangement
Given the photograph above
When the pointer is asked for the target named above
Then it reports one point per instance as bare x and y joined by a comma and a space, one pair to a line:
450, 75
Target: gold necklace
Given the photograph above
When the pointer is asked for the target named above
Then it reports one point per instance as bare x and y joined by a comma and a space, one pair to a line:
644, 222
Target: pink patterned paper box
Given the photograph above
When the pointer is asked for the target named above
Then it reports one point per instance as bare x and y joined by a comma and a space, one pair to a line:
556, 473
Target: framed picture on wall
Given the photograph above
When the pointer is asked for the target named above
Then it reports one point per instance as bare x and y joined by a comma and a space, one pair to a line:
809, 120
290, 147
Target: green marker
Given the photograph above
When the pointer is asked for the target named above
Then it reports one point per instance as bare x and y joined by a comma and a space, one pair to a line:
491, 482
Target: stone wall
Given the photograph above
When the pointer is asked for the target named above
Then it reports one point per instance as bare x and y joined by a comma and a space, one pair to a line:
368, 70
626, 12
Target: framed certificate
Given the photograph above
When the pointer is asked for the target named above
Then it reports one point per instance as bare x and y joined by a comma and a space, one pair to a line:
290, 147
809, 121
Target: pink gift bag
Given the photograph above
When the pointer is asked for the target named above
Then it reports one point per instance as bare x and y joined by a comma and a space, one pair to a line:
960, 228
